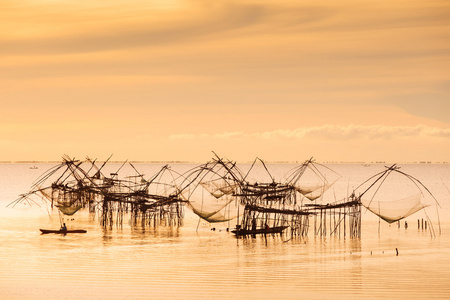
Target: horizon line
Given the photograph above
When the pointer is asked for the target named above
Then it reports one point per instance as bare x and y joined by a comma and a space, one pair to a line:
240, 162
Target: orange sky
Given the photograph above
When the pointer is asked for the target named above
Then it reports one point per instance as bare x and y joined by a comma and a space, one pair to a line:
174, 80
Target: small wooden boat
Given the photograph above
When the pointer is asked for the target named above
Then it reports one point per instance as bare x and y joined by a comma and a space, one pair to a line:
240, 232
45, 231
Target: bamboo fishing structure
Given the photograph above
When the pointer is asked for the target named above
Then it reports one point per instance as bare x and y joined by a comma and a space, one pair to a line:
218, 191
271, 207
82, 184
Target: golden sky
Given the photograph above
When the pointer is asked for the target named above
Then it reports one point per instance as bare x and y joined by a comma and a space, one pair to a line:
174, 80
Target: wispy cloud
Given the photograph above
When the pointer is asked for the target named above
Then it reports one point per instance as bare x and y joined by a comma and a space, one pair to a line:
227, 135
332, 132
116, 32
183, 136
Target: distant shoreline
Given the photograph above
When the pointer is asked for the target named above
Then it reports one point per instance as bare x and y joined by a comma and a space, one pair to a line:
239, 162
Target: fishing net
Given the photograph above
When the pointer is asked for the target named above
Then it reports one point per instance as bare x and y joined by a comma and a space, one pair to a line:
163, 183
208, 213
394, 210
69, 210
313, 191
209, 190
312, 180
394, 195
214, 209
219, 187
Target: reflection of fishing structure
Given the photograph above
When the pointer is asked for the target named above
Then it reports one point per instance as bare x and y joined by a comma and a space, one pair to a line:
82, 185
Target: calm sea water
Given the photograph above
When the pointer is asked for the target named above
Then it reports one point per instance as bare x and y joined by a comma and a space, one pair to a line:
183, 263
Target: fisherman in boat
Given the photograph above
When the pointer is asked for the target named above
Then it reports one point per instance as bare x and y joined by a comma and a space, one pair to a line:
254, 224
63, 227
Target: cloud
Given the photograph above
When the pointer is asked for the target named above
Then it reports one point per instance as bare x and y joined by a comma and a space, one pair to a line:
185, 136
116, 32
226, 135
373, 132
332, 132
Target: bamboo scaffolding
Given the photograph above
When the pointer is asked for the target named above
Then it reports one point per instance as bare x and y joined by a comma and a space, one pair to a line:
262, 207
110, 198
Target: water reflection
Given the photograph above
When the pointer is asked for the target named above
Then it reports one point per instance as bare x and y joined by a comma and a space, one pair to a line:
163, 232
183, 263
